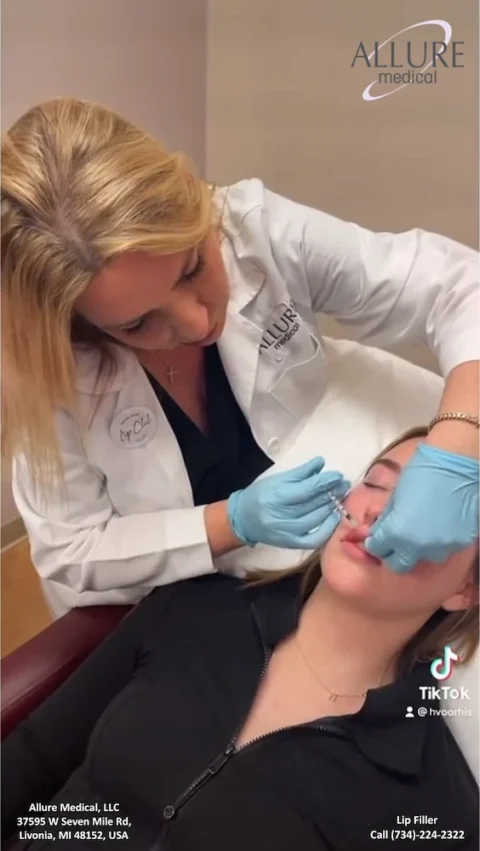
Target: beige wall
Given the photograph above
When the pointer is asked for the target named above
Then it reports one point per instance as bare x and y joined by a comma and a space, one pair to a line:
284, 104
143, 58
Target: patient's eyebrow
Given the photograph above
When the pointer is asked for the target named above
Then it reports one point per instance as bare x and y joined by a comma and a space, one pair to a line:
388, 463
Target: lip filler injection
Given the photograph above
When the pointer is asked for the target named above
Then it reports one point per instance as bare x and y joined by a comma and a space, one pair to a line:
343, 511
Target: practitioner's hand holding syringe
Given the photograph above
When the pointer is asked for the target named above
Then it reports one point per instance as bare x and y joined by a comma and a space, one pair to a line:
292, 509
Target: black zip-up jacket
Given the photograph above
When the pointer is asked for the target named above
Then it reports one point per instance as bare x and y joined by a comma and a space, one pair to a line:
144, 733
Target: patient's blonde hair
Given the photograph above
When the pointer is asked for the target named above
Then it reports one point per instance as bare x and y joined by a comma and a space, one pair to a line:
80, 185
458, 629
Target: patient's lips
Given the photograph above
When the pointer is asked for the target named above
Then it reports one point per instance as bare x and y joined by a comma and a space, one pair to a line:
357, 535
353, 543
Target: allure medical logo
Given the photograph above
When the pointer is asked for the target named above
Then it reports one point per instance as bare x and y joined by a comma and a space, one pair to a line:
405, 60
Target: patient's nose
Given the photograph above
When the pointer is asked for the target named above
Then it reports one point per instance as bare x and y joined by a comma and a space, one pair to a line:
374, 509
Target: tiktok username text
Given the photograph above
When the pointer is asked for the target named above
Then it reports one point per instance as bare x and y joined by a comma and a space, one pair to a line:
420, 827
62, 821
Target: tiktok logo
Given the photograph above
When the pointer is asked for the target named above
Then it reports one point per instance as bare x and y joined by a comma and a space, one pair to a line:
442, 667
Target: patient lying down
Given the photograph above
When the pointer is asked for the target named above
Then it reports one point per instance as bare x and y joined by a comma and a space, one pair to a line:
272, 716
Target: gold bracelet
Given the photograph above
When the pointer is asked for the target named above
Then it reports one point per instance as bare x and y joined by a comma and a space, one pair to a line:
466, 418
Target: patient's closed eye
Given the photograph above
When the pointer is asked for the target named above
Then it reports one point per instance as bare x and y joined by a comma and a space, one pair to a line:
382, 475
375, 486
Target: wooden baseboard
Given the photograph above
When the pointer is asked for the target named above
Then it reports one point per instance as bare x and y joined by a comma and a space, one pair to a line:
12, 532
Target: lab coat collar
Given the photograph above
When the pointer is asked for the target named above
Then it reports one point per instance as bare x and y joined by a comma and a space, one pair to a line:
242, 292
238, 347
240, 255
118, 370
381, 730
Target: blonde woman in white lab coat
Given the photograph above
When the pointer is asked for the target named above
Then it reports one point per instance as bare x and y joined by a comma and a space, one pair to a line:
160, 347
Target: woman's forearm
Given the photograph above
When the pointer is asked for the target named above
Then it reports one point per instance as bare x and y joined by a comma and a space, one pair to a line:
219, 532
461, 395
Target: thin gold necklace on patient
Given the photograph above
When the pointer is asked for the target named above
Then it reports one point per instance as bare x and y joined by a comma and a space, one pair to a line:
333, 695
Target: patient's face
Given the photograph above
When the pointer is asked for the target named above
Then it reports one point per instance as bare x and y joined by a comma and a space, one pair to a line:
351, 572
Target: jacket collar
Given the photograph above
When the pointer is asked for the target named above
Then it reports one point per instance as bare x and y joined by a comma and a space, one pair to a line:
381, 730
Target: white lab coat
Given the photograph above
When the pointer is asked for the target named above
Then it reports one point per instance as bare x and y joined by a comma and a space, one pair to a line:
125, 521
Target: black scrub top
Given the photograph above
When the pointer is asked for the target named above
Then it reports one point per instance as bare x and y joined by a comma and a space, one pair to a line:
227, 458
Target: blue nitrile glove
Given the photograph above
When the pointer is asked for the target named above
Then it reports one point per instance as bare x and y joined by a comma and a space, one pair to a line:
433, 511
290, 510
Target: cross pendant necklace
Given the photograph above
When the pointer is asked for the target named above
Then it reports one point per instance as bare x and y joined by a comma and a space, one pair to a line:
171, 373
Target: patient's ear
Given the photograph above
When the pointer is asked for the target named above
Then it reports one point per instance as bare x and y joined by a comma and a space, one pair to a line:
467, 596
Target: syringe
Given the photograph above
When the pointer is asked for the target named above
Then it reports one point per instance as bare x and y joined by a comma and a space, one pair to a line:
343, 511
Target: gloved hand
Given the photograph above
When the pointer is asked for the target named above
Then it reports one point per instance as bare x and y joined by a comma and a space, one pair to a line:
290, 510
433, 511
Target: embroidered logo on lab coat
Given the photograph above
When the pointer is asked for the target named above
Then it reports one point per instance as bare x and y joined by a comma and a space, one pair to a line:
283, 324
133, 427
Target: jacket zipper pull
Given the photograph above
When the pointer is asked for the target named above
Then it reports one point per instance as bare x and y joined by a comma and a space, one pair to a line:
220, 761
171, 810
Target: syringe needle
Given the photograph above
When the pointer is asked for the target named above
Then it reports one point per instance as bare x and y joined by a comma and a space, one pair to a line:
343, 511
